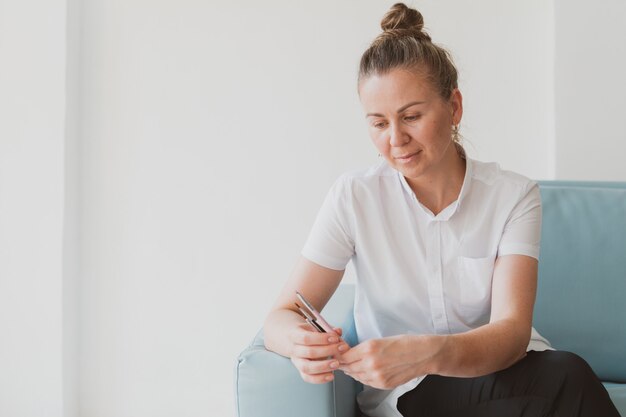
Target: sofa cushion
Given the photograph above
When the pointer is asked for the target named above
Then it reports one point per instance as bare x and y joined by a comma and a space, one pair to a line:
581, 299
618, 395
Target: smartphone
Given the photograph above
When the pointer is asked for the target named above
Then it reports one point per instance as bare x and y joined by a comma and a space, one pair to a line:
313, 317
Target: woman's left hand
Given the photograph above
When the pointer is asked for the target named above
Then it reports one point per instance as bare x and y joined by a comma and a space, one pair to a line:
391, 361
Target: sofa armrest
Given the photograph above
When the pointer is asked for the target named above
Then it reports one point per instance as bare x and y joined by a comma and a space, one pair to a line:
268, 385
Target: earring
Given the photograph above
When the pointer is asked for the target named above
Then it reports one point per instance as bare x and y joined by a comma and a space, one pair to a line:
455, 134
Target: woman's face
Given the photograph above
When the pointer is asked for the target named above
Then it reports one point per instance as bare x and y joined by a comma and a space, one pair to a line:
409, 123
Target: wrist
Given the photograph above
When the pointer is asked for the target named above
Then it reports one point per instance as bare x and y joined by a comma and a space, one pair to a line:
441, 348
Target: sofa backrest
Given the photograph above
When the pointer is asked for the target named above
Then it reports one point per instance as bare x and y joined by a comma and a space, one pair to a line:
581, 298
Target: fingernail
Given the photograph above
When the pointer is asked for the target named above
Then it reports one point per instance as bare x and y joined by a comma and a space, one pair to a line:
334, 364
342, 348
333, 339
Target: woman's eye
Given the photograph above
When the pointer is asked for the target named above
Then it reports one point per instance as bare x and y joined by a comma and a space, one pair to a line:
411, 118
379, 125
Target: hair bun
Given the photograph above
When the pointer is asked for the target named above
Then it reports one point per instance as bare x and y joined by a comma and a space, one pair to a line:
400, 16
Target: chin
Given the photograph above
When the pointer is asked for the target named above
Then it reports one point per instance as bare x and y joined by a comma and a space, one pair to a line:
410, 171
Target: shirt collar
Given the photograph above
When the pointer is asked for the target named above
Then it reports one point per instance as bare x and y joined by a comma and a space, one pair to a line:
446, 213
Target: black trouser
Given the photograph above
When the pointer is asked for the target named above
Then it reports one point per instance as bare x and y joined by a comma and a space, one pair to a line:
549, 383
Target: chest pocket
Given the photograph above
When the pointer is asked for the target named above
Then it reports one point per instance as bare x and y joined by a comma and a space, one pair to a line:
475, 276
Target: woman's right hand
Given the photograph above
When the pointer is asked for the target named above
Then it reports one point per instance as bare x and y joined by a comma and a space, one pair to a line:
314, 354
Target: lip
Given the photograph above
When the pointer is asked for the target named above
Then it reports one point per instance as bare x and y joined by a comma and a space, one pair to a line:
408, 157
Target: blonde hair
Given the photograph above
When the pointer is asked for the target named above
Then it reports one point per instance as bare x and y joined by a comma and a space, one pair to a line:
404, 44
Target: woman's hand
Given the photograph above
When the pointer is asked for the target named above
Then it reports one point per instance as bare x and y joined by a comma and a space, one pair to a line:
391, 361
315, 354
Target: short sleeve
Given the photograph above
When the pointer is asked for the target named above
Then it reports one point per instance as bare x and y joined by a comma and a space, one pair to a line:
522, 232
331, 240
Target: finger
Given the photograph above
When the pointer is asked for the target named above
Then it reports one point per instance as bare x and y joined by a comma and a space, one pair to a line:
365, 366
314, 378
315, 367
353, 367
317, 379
305, 336
318, 351
338, 330
352, 355
363, 370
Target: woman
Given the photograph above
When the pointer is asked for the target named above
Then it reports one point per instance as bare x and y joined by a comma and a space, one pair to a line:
445, 250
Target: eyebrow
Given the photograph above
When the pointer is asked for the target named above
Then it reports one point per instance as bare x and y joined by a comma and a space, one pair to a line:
400, 110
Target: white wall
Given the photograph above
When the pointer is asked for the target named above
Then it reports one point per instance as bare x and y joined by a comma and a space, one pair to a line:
32, 107
590, 89
72, 210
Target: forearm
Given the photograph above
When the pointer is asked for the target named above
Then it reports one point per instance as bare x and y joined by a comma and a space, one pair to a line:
276, 330
487, 349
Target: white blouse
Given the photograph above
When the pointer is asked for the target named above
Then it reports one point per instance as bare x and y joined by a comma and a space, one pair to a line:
420, 273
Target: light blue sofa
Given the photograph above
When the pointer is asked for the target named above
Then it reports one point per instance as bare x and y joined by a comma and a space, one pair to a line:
581, 307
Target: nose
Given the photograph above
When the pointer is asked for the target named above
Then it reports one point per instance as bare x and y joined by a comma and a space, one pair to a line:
397, 135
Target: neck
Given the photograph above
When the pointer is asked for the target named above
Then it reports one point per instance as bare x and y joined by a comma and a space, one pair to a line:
438, 189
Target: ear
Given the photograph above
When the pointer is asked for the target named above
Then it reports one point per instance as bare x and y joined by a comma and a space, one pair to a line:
456, 103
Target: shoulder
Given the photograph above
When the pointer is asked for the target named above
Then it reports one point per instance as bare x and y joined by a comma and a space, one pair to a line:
369, 178
493, 177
